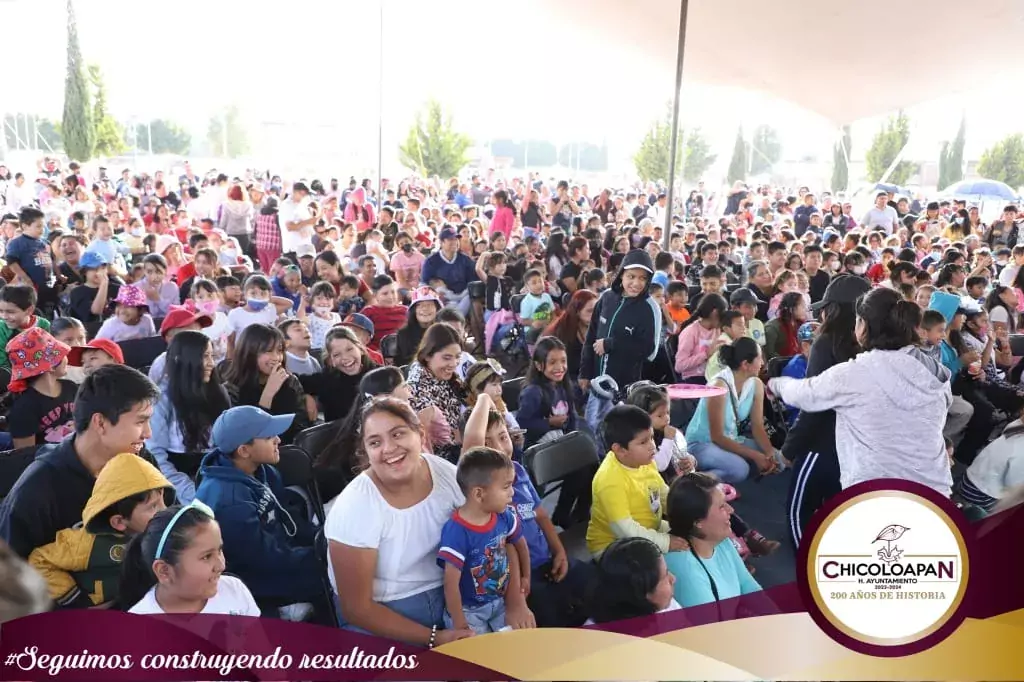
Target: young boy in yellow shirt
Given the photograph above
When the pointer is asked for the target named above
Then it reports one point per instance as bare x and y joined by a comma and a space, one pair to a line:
629, 493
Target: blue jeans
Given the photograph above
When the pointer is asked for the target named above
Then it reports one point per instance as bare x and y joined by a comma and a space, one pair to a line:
482, 618
425, 608
728, 467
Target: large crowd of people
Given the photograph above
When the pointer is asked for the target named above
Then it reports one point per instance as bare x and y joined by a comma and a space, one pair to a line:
168, 344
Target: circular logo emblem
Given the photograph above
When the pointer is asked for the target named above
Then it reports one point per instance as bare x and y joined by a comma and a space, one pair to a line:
117, 553
886, 568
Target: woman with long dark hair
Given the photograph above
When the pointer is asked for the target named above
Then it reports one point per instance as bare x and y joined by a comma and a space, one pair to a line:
570, 327
192, 400
811, 442
257, 376
555, 255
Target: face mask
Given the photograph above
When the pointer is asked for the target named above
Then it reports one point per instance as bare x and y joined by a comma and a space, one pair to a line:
258, 303
135, 232
230, 253
208, 307
1001, 262
407, 248
322, 309
860, 269
959, 221
936, 254
835, 265
372, 244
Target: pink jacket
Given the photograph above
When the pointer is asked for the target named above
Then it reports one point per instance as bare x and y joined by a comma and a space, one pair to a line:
504, 221
694, 349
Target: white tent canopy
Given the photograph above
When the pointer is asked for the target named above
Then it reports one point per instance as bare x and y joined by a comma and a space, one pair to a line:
841, 59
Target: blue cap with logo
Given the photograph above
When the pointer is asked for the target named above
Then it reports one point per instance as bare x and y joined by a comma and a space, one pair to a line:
240, 425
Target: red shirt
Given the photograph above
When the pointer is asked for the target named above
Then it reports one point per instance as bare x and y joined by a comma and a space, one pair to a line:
185, 273
386, 320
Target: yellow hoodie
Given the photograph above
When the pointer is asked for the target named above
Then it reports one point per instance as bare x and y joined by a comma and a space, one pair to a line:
83, 564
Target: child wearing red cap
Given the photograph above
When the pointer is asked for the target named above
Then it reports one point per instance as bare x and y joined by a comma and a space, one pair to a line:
43, 409
131, 319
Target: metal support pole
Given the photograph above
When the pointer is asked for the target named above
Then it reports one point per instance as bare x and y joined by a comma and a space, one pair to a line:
380, 112
681, 46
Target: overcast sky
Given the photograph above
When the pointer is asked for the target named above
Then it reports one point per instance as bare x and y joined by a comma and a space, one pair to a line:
314, 65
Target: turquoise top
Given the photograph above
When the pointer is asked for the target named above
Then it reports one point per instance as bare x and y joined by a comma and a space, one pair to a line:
726, 567
699, 429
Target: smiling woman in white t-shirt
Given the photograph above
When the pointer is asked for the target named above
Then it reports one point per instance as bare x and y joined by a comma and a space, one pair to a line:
177, 566
385, 529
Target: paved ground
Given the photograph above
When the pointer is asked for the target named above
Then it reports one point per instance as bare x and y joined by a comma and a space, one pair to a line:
763, 506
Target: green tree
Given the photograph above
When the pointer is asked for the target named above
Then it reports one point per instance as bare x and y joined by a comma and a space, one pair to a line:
738, 163
766, 149
433, 145
943, 181
886, 145
168, 137
109, 135
840, 168
652, 157
698, 155
77, 127
1004, 161
233, 143
953, 161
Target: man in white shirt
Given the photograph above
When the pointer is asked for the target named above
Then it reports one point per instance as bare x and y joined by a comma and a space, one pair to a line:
296, 221
18, 194
657, 212
882, 216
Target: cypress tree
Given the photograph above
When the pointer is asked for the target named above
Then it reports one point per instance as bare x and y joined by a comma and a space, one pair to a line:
77, 125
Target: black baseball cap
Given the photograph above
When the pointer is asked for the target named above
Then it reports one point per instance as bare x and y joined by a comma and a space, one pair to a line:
843, 289
742, 296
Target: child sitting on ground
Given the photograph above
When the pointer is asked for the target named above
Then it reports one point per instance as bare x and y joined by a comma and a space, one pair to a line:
82, 565
797, 365
297, 359
131, 318
17, 313
629, 492
324, 316
484, 580
734, 326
